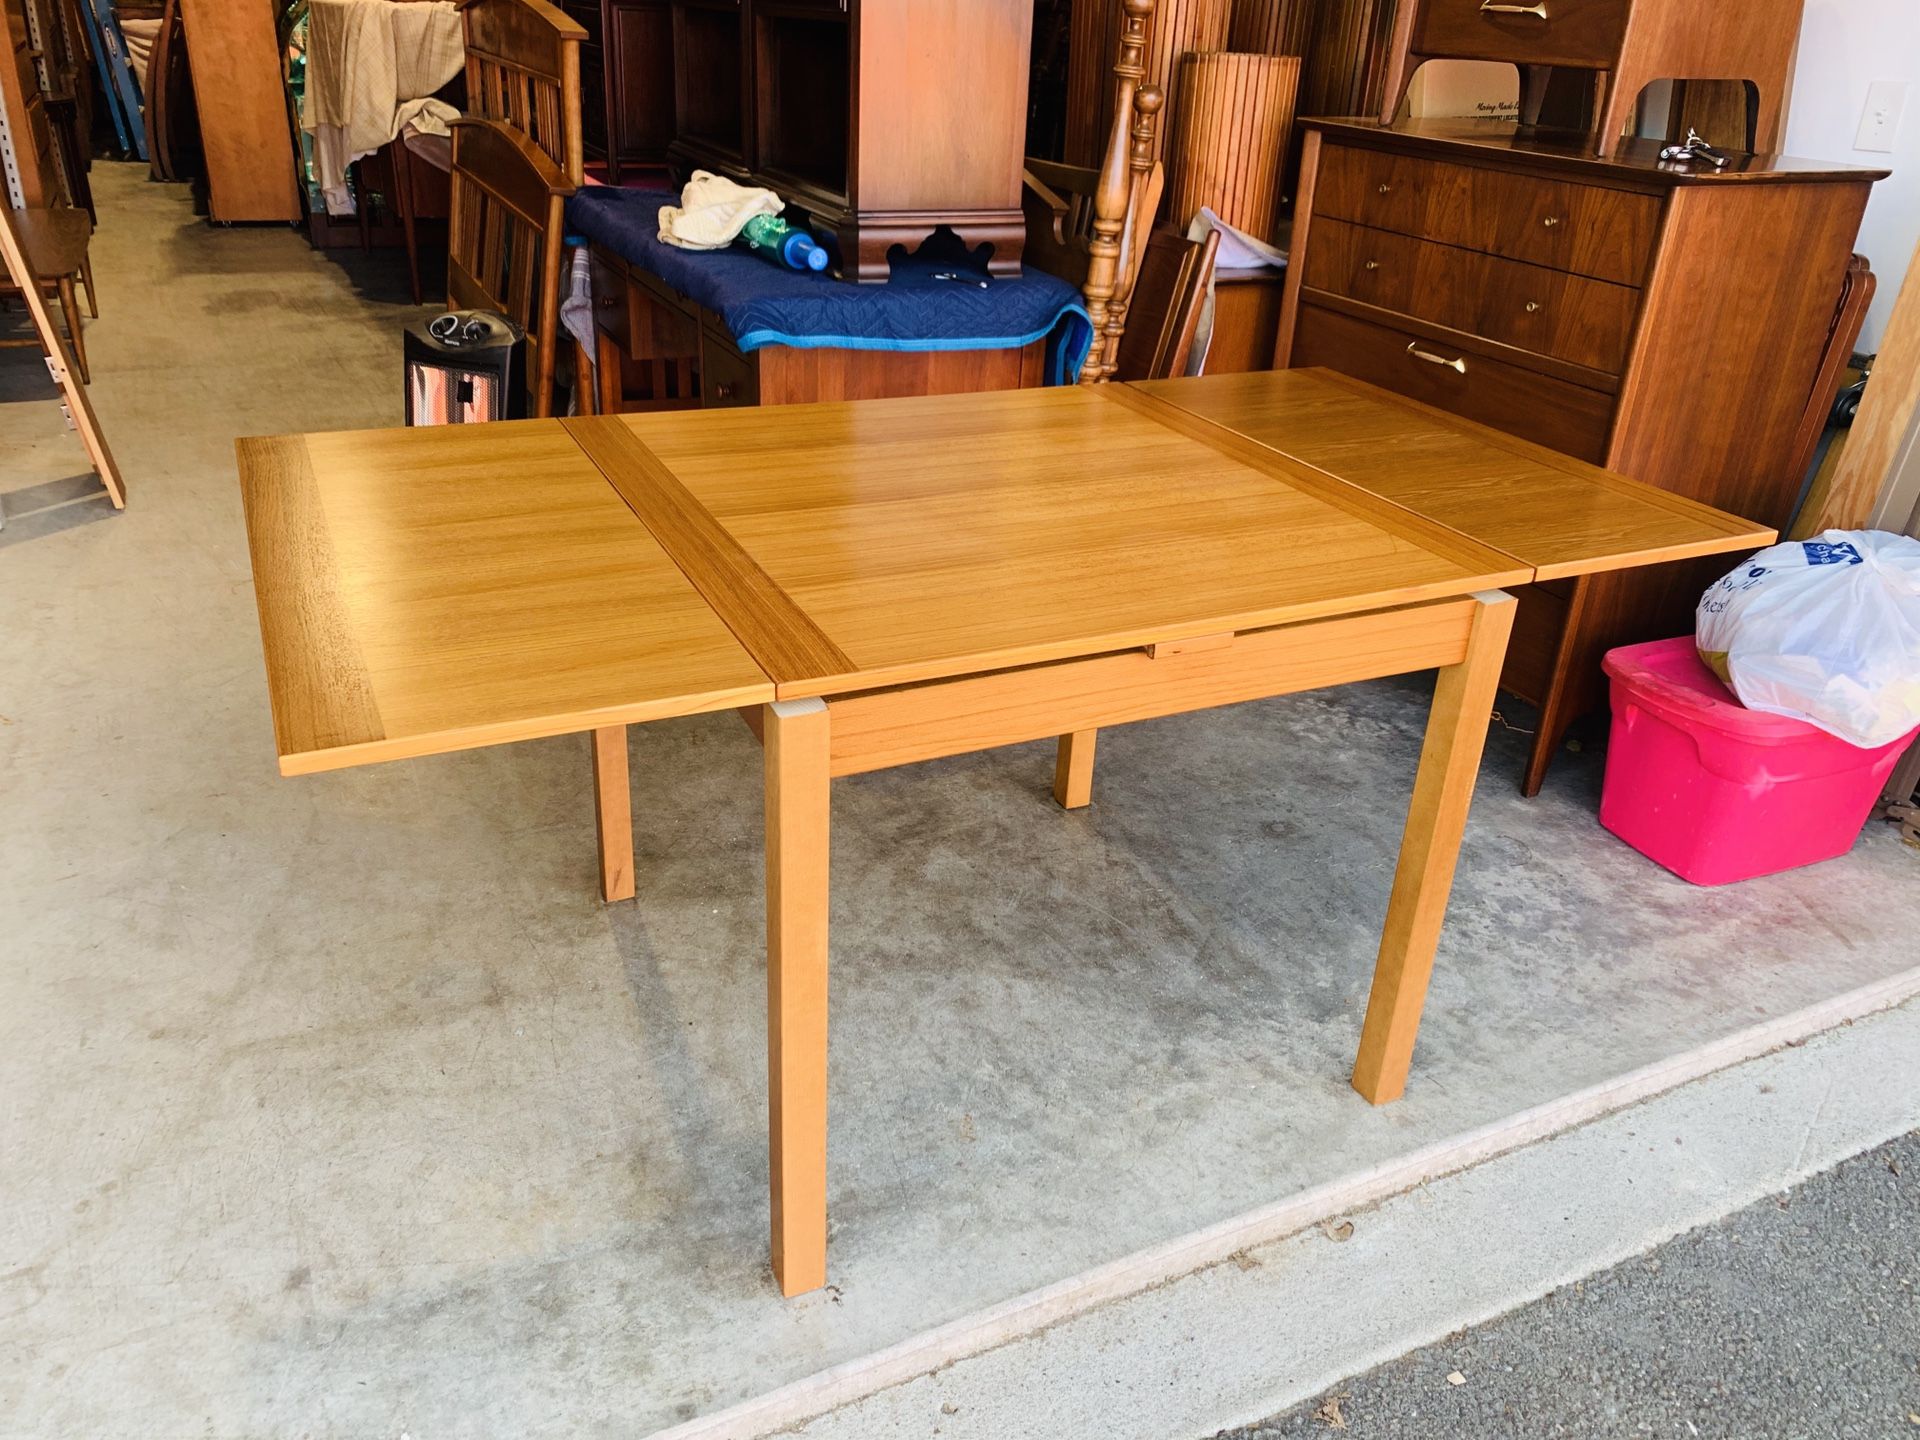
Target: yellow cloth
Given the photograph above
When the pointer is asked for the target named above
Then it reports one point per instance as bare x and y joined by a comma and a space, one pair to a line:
712, 212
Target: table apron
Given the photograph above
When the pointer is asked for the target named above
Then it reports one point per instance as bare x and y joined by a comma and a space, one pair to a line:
906, 724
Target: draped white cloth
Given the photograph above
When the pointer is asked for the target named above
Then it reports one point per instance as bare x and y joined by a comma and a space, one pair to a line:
372, 66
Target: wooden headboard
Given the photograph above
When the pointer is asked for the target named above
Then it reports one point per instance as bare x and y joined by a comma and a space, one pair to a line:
523, 69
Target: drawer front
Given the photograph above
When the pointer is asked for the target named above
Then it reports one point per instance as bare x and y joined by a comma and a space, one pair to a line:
727, 377
646, 319
1584, 33
611, 307
1582, 321
1569, 418
1585, 229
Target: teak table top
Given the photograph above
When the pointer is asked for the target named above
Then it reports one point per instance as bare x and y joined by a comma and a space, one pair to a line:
929, 537
437, 589
1559, 515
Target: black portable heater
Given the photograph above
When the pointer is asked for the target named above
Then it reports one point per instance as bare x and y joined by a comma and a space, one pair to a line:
464, 367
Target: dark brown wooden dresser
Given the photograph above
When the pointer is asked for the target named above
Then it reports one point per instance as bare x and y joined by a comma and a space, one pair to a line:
626, 81
1665, 321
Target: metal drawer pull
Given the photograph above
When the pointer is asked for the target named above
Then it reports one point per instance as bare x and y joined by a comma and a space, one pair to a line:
1371, 265
1550, 221
1413, 349
1487, 7
1532, 305
1384, 187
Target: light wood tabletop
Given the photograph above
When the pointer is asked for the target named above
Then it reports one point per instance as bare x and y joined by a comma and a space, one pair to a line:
929, 537
438, 589
1557, 514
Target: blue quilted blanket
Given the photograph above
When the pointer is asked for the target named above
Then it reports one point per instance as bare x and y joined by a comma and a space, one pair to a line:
764, 304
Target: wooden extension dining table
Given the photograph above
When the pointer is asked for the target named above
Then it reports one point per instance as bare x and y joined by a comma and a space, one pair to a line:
881, 582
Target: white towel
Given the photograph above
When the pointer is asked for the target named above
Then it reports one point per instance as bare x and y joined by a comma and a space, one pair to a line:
712, 212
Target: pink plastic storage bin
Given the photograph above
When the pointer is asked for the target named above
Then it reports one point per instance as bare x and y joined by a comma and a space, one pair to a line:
1717, 792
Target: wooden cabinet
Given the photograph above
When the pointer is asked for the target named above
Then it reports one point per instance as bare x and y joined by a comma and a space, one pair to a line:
626, 81
879, 119
1663, 322
1629, 43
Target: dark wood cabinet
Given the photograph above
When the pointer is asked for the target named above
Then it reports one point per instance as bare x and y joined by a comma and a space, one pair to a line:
626, 81
881, 120
1663, 321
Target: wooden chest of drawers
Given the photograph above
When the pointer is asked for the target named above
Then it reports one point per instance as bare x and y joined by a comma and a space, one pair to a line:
1663, 323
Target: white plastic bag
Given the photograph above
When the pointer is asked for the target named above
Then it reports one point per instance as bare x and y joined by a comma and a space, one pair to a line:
1825, 630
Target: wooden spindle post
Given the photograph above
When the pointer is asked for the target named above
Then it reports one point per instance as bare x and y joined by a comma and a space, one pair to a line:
1113, 195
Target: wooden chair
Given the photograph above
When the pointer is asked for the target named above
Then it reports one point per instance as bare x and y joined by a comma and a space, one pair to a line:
523, 75
1169, 292
504, 238
55, 245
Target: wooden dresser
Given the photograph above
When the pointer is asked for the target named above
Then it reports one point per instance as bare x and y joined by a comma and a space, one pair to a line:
1662, 321
626, 81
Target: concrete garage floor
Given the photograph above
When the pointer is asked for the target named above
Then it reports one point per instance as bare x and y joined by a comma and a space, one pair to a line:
342, 1107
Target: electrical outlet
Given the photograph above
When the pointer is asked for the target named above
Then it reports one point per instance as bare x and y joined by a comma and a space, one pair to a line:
1880, 121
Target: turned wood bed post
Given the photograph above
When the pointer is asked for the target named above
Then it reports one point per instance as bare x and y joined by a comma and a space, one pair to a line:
1112, 197
1146, 182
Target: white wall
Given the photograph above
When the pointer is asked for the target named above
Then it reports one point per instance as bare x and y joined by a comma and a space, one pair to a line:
1844, 46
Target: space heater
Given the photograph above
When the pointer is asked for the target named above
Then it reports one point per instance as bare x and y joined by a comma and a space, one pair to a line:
464, 367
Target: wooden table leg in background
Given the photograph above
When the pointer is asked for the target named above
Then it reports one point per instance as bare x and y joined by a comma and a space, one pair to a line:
1073, 769
613, 810
1436, 819
798, 760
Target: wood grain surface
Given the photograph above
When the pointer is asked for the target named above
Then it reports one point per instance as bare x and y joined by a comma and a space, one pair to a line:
1549, 511
952, 535
437, 589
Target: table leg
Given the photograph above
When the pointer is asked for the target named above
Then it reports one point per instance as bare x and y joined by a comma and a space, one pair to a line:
1073, 769
1436, 819
613, 810
798, 785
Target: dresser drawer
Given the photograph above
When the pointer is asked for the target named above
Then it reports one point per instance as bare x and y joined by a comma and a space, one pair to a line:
727, 377
612, 309
1584, 229
1584, 322
1569, 418
1584, 33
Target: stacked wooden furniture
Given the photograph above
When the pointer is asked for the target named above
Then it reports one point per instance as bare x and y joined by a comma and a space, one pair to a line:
28, 159
1665, 321
1177, 28
626, 81
1626, 43
880, 119
1343, 45
1094, 228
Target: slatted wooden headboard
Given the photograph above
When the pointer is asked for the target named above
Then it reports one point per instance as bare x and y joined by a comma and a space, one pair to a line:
523, 69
